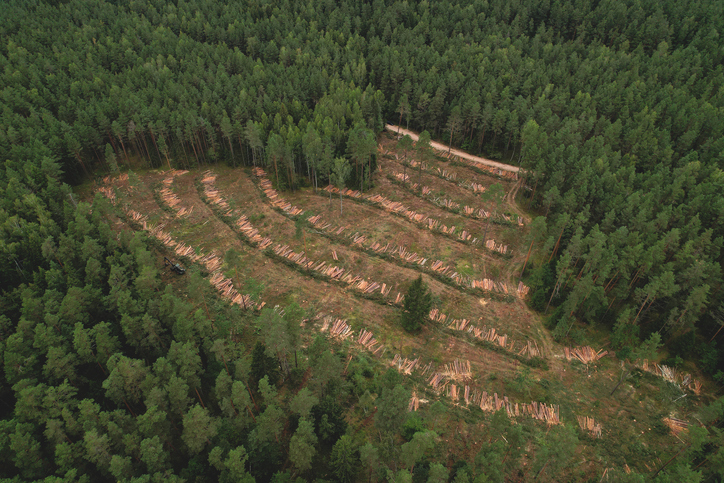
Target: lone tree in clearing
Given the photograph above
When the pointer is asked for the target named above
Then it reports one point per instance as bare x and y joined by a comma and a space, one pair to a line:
418, 302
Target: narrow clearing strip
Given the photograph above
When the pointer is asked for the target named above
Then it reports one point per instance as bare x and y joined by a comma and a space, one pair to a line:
455, 152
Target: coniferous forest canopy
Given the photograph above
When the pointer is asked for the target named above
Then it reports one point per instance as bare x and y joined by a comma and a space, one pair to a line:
614, 109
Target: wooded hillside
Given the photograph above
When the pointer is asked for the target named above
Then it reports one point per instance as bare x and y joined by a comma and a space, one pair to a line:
614, 110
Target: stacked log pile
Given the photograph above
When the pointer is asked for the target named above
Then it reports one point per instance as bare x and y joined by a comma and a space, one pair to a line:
522, 290
252, 234
670, 374
116, 179
585, 354
414, 402
496, 247
395, 207
138, 218
244, 226
276, 200
457, 370
550, 414
170, 198
530, 349
469, 211
588, 424
368, 341
676, 425
404, 365
340, 329
490, 334
402, 253
489, 285
108, 192
211, 261
212, 193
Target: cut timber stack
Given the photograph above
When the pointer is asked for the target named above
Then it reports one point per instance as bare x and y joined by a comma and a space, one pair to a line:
211, 192
458, 370
414, 402
584, 354
541, 411
367, 340
245, 228
453, 392
339, 329
116, 179
108, 192
676, 425
404, 365
588, 424
492, 246
468, 185
170, 198
276, 200
224, 285
437, 381
402, 253
671, 375
530, 348
394, 207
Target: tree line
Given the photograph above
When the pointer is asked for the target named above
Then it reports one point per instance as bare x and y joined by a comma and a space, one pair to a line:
613, 108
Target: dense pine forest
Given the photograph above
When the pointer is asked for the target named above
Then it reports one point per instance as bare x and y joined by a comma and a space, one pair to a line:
614, 110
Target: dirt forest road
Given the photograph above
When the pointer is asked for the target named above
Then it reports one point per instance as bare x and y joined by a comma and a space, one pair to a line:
456, 152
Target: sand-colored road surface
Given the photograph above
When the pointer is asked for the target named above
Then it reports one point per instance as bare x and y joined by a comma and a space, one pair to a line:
455, 152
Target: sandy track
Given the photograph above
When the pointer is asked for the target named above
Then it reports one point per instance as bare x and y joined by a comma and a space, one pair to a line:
456, 152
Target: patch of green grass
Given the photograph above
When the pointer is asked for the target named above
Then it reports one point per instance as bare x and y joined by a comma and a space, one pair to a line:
464, 267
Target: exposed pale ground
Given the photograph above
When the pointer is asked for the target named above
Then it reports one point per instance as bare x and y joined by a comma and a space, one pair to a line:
456, 152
